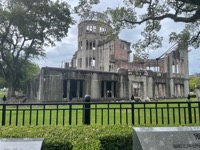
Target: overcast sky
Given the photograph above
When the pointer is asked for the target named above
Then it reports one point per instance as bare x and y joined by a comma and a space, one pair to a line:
64, 50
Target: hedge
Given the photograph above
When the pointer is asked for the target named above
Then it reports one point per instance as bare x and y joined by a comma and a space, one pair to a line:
83, 137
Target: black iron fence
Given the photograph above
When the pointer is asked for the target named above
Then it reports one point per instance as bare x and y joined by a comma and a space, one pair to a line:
104, 113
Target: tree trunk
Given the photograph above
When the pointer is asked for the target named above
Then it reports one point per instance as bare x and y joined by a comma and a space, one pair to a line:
11, 90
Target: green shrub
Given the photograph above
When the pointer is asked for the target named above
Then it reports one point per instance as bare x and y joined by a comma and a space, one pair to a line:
57, 145
74, 137
116, 142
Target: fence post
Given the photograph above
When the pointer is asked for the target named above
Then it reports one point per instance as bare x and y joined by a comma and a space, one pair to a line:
189, 112
86, 110
3, 114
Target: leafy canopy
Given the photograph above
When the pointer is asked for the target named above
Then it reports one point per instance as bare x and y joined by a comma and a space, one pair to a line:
26, 27
150, 13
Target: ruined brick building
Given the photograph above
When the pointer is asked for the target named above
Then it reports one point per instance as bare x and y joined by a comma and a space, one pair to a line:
101, 67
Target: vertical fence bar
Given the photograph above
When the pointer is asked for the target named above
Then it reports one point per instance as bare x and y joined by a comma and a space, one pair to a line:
150, 115
17, 112
3, 115
101, 116
156, 113
189, 112
144, 113
132, 114
108, 115
162, 115
114, 117
23, 118
10, 119
76, 116
173, 115
185, 115
70, 114
30, 115
195, 119
37, 111
95, 113
43, 122
57, 115
120, 108
63, 117
138, 116
50, 116
179, 113
168, 120
126, 116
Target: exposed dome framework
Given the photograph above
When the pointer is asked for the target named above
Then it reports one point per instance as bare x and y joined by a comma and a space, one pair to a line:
95, 16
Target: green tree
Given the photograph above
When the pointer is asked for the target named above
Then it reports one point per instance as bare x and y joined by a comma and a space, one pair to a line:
26, 27
134, 13
194, 82
26, 73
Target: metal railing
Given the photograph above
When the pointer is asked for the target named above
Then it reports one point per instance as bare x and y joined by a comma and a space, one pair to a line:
102, 113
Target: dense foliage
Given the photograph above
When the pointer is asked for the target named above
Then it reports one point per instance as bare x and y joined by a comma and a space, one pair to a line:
76, 137
194, 82
25, 28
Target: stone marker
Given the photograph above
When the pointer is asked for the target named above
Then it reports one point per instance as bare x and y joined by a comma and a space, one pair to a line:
21, 143
166, 138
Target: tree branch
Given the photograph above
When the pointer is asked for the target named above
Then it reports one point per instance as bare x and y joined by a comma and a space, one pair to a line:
193, 18
193, 2
195, 38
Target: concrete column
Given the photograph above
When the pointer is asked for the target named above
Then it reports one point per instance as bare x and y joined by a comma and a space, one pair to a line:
78, 89
179, 66
95, 87
104, 89
186, 87
171, 83
179, 90
175, 66
150, 87
156, 90
163, 87
130, 88
112, 89
41, 86
68, 88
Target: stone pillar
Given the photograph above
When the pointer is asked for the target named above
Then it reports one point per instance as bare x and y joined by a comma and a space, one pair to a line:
112, 89
41, 86
68, 88
186, 87
78, 89
104, 89
179, 90
150, 87
171, 84
175, 66
95, 87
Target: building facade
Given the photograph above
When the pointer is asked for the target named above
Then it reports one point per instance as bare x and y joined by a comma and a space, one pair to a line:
101, 67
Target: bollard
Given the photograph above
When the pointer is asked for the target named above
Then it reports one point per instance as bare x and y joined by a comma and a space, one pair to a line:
86, 110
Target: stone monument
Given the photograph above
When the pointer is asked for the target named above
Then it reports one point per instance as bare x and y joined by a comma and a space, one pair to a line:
166, 138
